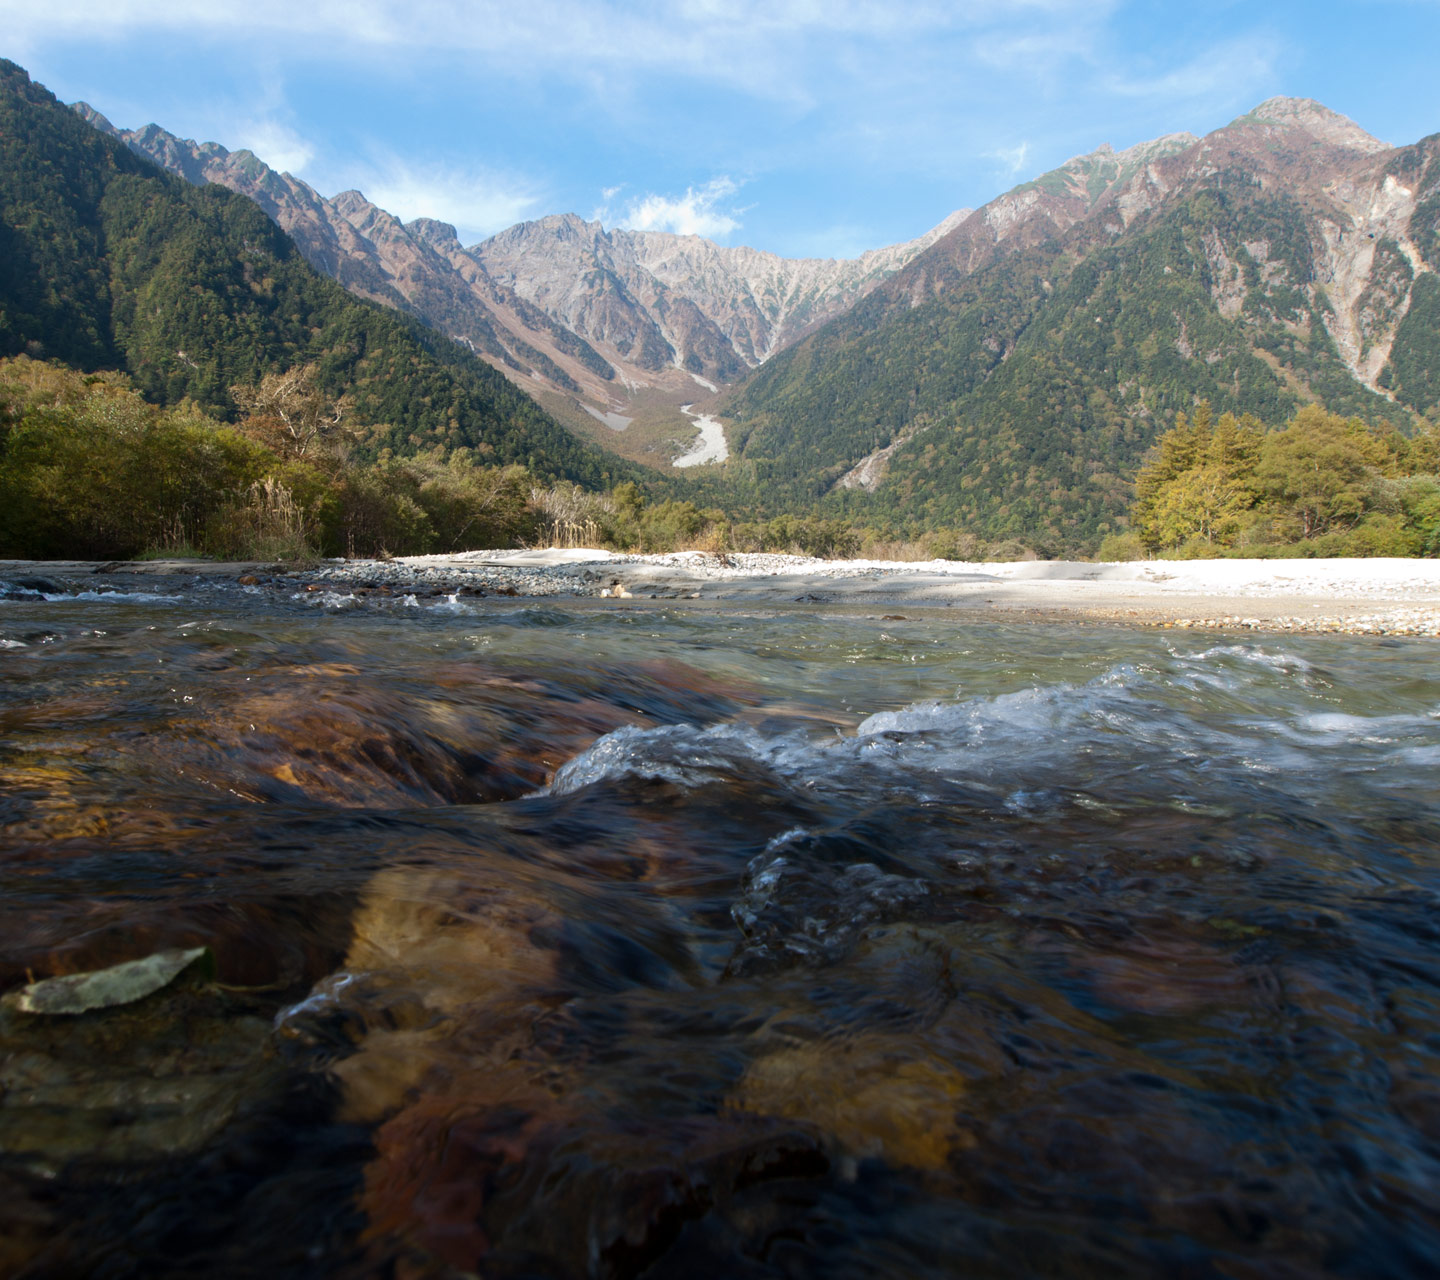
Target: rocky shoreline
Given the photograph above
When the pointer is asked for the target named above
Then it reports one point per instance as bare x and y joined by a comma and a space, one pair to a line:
1353, 597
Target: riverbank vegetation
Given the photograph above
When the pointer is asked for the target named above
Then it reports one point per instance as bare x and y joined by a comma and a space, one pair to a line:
90, 469
1321, 485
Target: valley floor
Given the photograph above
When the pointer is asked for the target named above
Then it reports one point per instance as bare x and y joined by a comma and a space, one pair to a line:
1354, 596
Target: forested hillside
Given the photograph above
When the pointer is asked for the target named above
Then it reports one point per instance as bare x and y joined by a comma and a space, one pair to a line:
107, 262
1016, 393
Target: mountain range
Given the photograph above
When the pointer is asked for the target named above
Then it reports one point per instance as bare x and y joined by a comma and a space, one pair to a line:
559, 304
108, 262
1004, 373
1010, 378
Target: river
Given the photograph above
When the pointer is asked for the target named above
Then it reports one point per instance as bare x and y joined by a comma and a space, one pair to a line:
601, 939
709, 446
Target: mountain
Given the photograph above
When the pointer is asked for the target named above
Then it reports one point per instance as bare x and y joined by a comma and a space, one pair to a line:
558, 303
1010, 378
107, 261
374, 255
663, 299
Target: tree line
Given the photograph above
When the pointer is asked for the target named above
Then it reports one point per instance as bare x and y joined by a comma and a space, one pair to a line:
90, 469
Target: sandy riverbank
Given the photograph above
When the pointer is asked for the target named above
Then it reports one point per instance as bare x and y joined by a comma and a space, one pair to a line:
1388, 596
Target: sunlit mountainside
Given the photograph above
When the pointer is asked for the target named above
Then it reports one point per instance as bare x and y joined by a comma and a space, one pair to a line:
1005, 373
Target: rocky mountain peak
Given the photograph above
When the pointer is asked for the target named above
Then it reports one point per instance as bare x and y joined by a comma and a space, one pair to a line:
94, 119
350, 202
1316, 119
441, 236
561, 226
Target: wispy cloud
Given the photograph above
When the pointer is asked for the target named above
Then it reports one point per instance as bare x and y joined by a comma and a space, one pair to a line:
1012, 160
860, 96
699, 212
764, 46
280, 146
477, 203
1234, 71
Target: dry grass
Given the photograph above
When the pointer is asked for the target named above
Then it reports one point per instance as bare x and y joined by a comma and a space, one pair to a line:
266, 523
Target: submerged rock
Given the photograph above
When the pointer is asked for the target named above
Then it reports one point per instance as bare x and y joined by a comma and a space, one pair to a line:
878, 1096
156, 1078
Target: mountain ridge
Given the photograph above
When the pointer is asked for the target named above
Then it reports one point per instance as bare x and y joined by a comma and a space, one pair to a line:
1008, 373
639, 309
111, 262
1011, 376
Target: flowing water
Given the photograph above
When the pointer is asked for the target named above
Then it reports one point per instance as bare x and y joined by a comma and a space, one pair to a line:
563, 940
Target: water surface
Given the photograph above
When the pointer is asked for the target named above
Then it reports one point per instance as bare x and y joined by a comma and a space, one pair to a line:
565, 940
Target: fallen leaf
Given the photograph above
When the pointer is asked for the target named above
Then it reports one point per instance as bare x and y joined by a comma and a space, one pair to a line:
104, 988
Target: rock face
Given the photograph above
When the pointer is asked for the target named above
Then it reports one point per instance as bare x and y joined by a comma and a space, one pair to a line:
1361, 264
560, 302
716, 311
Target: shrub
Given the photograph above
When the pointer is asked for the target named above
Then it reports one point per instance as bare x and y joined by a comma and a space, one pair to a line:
1121, 547
1009, 550
265, 523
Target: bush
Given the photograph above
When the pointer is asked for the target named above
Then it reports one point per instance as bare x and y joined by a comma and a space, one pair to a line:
376, 513
265, 523
1119, 547
1009, 550
89, 469
951, 544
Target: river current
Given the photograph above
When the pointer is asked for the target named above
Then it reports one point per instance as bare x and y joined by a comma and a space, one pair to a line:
598, 939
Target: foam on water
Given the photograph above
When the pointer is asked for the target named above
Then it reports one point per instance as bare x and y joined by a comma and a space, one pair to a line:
26, 595
1134, 728
328, 599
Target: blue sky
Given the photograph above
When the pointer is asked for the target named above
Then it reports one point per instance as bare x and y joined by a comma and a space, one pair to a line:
806, 127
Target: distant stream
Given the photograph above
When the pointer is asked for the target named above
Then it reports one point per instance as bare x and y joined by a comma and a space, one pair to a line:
711, 446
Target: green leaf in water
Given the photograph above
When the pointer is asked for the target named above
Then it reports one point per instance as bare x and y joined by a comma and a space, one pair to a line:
105, 988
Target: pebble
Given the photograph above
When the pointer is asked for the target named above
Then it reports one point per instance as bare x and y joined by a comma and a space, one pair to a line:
597, 579
578, 580
1389, 622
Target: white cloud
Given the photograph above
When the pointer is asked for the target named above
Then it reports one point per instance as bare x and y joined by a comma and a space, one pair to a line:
275, 143
696, 213
477, 203
1012, 160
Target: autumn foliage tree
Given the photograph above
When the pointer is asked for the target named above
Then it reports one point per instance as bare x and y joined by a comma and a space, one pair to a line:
290, 414
1201, 482
1322, 484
